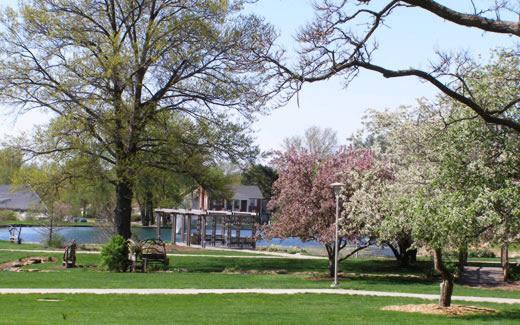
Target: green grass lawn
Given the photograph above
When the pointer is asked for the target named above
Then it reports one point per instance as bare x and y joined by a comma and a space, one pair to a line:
8, 245
239, 308
229, 273
220, 272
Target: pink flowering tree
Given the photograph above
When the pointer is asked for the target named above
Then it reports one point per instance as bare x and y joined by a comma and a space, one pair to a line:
303, 202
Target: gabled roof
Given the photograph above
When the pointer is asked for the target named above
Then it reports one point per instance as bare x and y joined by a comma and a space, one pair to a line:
18, 198
244, 192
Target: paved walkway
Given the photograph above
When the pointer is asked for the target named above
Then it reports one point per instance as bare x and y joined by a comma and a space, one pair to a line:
262, 255
252, 291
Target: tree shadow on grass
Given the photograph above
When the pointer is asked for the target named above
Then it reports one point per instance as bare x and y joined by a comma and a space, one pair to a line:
211, 265
377, 266
510, 314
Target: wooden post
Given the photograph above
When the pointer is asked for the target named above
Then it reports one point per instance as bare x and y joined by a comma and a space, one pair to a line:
158, 225
183, 228
174, 228
203, 238
504, 261
226, 231
199, 231
253, 233
239, 225
189, 230
214, 231
231, 220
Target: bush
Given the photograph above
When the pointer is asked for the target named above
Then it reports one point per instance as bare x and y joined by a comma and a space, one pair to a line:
7, 215
514, 272
114, 255
57, 241
136, 217
482, 253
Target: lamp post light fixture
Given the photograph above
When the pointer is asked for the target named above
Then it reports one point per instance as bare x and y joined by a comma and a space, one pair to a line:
337, 188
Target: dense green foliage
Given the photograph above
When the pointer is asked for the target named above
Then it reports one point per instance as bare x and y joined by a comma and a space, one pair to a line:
7, 215
114, 255
261, 175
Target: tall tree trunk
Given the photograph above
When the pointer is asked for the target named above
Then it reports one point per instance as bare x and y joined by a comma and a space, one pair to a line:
404, 244
144, 221
463, 259
123, 211
51, 229
330, 254
149, 207
83, 208
394, 250
446, 278
413, 255
446, 292
403, 254
504, 260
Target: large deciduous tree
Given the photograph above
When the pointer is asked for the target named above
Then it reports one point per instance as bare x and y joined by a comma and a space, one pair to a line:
322, 142
452, 185
262, 175
342, 40
113, 71
303, 202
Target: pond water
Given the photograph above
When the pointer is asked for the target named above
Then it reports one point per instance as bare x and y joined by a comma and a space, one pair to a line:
98, 235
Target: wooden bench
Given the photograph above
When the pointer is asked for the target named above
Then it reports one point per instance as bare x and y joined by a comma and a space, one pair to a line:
147, 252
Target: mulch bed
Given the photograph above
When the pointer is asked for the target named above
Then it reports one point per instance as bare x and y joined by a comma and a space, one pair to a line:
16, 266
434, 309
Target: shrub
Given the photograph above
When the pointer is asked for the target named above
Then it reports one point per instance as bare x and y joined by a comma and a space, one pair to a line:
114, 255
57, 241
514, 272
481, 253
136, 217
7, 215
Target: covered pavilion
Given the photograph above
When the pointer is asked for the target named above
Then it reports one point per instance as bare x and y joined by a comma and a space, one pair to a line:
231, 229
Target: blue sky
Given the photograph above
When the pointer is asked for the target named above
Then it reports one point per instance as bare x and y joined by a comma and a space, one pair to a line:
410, 40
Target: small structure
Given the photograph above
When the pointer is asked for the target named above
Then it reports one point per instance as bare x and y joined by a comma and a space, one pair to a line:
209, 227
69, 255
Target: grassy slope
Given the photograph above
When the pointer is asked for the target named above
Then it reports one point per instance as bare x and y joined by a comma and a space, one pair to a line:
205, 309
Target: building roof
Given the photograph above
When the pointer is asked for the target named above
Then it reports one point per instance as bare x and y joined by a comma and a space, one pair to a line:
244, 192
18, 198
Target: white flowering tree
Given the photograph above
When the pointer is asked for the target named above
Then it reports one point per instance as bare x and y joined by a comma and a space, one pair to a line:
446, 185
